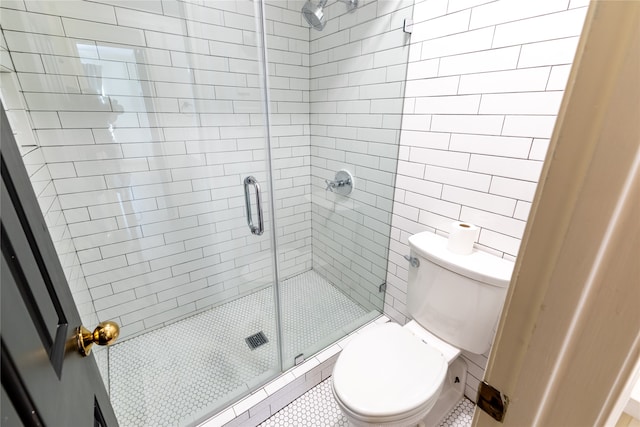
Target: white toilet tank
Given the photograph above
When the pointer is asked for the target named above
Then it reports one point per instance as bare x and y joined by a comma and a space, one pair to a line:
456, 297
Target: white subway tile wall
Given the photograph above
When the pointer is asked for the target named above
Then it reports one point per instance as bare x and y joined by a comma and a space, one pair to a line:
146, 118
358, 66
40, 174
484, 85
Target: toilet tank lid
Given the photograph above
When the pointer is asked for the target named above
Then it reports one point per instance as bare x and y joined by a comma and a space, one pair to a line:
481, 266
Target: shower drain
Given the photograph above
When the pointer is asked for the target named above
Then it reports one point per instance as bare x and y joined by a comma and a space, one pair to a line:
256, 340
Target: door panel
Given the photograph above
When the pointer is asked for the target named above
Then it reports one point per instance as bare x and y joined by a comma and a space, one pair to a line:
47, 382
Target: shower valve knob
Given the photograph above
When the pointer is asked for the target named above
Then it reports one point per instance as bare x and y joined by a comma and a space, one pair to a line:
104, 334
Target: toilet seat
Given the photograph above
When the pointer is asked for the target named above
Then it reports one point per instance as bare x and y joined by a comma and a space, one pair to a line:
387, 374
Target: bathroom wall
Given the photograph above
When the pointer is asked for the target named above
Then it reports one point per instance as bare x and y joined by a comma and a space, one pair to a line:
40, 177
358, 67
484, 86
288, 66
149, 115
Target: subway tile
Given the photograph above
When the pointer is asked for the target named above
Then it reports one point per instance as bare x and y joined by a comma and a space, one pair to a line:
460, 104
164, 189
194, 12
451, 23
559, 77
464, 179
516, 189
479, 62
67, 102
488, 202
425, 139
86, 11
455, 5
429, 9
433, 86
507, 244
152, 149
503, 11
150, 21
554, 52
107, 136
27, 62
104, 167
92, 227
31, 22
81, 153
491, 145
152, 282
176, 42
484, 125
61, 137
48, 83
547, 27
128, 179
470, 41
528, 170
126, 247
522, 210
77, 185
533, 103
529, 126
526, 80
81, 120
423, 69
539, 149
103, 32
169, 226
492, 221
92, 241
433, 205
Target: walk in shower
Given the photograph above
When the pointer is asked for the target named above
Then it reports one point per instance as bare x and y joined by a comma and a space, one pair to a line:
217, 177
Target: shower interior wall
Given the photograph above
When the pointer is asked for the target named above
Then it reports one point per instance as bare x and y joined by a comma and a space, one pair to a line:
146, 116
42, 183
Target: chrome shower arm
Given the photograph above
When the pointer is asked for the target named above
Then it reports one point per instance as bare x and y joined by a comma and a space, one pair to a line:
351, 4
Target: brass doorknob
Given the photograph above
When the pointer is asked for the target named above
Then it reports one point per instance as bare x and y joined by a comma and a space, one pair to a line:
104, 334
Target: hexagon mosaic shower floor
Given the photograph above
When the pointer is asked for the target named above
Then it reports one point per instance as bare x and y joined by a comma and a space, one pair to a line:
317, 408
176, 374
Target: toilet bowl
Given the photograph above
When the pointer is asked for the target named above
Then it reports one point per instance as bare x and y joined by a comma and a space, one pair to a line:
400, 376
392, 376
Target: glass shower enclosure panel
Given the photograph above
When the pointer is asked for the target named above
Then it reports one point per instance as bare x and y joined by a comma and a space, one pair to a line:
336, 89
143, 124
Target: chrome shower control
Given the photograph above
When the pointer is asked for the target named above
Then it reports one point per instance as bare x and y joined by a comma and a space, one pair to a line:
415, 262
342, 184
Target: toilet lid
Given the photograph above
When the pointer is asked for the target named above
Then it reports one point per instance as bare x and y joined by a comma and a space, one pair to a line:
386, 371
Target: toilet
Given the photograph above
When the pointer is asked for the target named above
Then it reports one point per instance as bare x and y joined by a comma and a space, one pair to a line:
399, 376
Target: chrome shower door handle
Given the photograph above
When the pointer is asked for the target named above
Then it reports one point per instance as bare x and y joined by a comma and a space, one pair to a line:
259, 229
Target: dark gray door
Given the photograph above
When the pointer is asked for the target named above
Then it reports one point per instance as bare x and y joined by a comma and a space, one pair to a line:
45, 381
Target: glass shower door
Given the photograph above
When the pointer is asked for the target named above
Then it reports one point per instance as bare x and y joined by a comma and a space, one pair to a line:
140, 124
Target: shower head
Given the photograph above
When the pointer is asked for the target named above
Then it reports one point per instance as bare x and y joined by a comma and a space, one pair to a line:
314, 15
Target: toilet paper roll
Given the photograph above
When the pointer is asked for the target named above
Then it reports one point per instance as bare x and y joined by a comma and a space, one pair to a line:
461, 238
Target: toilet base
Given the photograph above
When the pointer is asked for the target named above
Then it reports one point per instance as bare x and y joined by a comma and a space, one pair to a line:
452, 393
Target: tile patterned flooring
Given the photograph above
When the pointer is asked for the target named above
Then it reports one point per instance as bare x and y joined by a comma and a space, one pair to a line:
176, 374
317, 408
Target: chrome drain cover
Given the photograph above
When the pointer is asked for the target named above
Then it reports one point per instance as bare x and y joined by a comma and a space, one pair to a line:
256, 340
